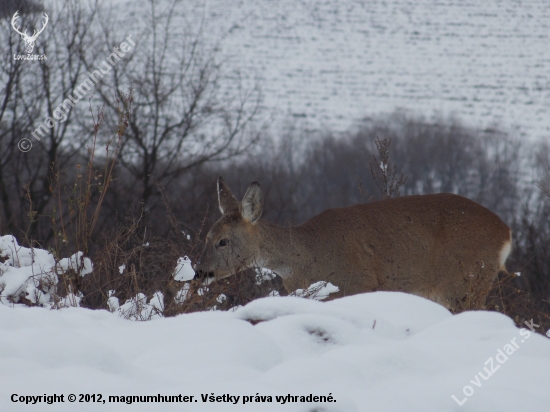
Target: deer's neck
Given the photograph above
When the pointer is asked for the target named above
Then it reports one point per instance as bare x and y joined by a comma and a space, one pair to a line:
282, 249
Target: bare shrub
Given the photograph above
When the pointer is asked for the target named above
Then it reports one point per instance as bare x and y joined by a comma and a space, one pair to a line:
182, 117
135, 263
384, 172
29, 93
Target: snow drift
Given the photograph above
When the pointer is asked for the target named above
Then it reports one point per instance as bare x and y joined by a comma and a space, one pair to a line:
370, 352
32, 274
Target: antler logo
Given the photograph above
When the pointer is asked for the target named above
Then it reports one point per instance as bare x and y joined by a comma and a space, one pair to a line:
30, 40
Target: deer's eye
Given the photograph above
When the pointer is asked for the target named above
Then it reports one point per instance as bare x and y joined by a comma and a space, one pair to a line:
223, 242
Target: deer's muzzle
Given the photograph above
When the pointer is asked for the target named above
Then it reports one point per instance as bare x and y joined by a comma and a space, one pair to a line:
202, 275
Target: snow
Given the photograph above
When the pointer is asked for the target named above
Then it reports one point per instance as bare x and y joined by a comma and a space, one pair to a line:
32, 274
318, 291
370, 352
137, 308
184, 270
113, 302
182, 293
264, 274
77, 262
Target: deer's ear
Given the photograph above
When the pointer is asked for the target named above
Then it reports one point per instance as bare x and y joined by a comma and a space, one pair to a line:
252, 204
227, 202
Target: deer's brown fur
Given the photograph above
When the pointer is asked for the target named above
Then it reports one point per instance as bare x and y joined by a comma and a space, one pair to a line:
443, 247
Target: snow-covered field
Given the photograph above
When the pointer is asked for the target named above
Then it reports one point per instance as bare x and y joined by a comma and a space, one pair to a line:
332, 63
371, 352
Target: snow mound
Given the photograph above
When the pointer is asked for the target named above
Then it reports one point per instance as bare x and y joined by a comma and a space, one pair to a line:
77, 262
378, 351
137, 308
318, 291
31, 274
25, 273
184, 270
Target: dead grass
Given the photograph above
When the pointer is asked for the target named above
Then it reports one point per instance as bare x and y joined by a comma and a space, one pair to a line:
509, 298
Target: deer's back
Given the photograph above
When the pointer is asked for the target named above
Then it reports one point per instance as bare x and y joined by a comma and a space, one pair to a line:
407, 243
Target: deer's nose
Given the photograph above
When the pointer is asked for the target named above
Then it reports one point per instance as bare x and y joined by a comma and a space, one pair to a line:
202, 275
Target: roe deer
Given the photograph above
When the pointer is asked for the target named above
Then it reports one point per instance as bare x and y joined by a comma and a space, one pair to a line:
443, 247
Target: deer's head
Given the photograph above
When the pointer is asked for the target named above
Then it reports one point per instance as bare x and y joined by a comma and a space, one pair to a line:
30, 40
233, 242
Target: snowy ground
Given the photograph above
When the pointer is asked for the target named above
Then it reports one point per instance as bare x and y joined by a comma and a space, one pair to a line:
332, 63
372, 352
